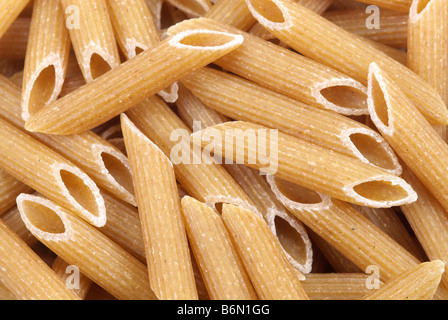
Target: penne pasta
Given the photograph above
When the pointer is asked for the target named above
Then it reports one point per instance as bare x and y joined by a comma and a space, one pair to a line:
240, 99
344, 228
233, 13
46, 57
193, 8
144, 76
408, 132
428, 23
221, 268
14, 42
201, 178
99, 159
92, 36
24, 274
50, 174
286, 72
155, 6
392, 29
388, 221
429, 221
336, 286
358, 182
13, 220
418, 283
290, 232
9, 11
133, 25
10, 188
169, 264
347, 53
5, 294
69, 274
271, 274
80, 244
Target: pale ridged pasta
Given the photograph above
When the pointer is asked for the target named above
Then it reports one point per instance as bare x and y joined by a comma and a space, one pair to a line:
92, 36
46, 57
80, 244
272, 276
170, 269
303, 30
143, 76
24, 274
14, 42
418, 283
9, 11
286, 72
80, 283
222, 270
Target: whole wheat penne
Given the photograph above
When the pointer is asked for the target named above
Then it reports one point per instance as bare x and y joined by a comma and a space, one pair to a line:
173, 15
397, 5
316, 168
92, 36
73, 78
408, 132
46, 57
99, 159
191, 109
193, 8
169, 264
14, 42
133, 25
318, 6
221, 268
233, 13
80, 244
344, 228
9, 11
13, 220
428, 24
155, 6
392, 29
240, 99
201, 177
286, 72
143, 76
136, 32
200, 285
272, 276
24, 274
339, 263
336, 286
70, 275
290, 232
10, 188
304, 31
123, 226
418, 283
429, 221
47, 172
388, 221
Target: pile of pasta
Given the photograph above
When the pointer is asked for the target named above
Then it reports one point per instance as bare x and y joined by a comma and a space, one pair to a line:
118, 179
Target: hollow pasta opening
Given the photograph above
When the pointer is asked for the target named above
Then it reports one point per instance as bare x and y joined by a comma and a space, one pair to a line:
381, 191
118, 171
42, 90
268, 10
380, 104
298, 193
43, 218
373, 151
346, 97
98, 66
206, 39
291, 240
80, 192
